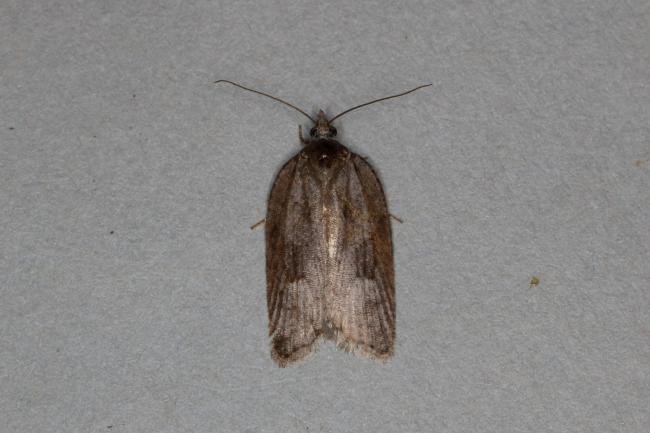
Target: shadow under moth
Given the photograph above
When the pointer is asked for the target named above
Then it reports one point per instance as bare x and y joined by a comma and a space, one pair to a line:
329, 252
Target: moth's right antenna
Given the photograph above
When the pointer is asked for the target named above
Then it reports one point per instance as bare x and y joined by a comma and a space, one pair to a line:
267, 95
377, 100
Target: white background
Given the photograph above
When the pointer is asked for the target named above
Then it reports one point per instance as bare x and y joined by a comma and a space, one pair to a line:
132, 292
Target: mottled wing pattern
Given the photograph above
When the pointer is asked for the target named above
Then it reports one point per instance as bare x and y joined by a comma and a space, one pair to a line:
361, 291
293, 265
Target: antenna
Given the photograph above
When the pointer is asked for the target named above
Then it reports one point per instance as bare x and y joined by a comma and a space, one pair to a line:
377, 100
267, 95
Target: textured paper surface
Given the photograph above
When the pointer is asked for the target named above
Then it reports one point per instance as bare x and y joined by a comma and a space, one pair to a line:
133, 293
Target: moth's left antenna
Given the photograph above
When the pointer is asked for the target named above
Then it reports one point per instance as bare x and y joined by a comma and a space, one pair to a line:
267, 95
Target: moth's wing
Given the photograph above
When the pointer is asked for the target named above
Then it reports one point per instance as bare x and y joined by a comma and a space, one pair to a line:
293, 263
364, 283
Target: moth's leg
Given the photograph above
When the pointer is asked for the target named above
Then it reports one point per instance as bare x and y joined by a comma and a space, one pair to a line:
302, 140
399, 220
257, 224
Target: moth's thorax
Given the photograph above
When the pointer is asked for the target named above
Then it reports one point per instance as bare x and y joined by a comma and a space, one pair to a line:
325, 155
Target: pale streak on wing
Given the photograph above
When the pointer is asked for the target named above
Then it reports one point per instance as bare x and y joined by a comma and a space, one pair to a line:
360, 289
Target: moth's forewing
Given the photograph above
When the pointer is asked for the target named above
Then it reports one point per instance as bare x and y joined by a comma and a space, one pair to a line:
329, 260
293, 267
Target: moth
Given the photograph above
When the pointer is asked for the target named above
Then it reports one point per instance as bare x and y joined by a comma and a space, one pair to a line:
329, 252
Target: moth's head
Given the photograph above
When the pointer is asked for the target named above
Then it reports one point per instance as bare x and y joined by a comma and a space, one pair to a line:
322, 128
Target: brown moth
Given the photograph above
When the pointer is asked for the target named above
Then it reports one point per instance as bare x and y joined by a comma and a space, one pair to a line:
329, 252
